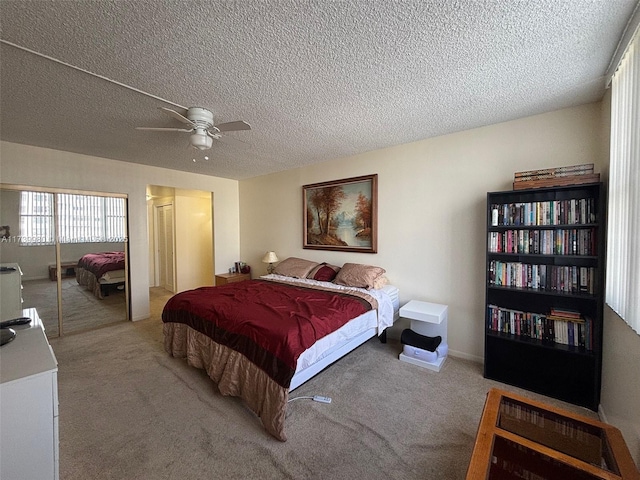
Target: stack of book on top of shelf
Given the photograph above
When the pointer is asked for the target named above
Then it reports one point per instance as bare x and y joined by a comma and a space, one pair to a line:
570, 328
555, 177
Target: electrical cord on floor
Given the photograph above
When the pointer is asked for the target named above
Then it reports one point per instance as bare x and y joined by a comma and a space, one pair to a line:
299, 398
315, 398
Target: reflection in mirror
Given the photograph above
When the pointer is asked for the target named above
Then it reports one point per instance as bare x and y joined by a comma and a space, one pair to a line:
91, 295
91, 233
85, 224
28, 219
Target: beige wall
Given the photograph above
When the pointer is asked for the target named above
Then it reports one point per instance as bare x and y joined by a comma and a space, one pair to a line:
194, 240
25, 165
620, 397
431, 215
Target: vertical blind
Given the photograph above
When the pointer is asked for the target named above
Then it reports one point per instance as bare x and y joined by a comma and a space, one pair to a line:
80, 218
87, 218
623, 235
36, 218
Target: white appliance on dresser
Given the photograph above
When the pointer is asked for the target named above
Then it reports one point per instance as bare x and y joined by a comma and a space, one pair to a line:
28, 404
10, 291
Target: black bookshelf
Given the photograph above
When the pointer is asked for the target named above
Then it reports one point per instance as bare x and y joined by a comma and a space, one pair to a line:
545, 253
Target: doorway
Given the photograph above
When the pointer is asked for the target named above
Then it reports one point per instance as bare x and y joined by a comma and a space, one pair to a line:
181, 246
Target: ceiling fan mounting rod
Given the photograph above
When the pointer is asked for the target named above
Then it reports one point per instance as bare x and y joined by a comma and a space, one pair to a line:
89, 73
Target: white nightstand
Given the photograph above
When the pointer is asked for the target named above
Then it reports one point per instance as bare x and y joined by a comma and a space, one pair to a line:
427, 319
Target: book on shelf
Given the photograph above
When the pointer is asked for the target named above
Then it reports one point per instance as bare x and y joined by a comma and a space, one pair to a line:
575, 211
576, 332
570, 279
571, 170
543, 242
566, 313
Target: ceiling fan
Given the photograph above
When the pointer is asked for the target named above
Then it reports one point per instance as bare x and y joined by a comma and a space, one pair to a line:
200, 121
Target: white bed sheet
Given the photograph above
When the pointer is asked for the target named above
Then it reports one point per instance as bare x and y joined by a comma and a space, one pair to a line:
114, 276
372, 320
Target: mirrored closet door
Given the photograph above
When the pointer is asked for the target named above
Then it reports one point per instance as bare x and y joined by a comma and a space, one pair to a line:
72, 250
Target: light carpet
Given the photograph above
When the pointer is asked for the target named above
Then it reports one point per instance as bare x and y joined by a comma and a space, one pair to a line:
81, 310
129, 411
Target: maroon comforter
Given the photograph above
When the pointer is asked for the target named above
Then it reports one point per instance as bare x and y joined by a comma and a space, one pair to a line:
101, 263
269, 323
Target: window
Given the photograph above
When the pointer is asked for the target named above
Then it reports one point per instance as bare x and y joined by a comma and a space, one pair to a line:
36, 218
80, 218
85, 219
623, 235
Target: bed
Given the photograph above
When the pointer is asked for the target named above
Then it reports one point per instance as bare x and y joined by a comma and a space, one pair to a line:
101, 272
260, 339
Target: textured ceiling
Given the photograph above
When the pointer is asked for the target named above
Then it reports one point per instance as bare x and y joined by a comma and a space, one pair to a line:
316, 79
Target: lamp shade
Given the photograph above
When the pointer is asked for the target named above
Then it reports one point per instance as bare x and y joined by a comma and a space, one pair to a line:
269, 257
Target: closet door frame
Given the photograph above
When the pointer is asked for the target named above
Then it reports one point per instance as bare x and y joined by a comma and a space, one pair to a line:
168, 242
55, 191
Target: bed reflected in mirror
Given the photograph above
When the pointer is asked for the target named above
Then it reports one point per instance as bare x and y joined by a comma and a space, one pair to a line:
94, 290
49, 248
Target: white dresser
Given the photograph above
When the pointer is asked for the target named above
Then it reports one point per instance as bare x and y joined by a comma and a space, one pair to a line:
28, 404
10, 291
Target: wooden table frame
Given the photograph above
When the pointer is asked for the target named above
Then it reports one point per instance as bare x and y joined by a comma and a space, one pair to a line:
488, 431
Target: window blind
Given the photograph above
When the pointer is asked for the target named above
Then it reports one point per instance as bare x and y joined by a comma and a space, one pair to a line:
623, 233
87, 218
80, 218
36, 218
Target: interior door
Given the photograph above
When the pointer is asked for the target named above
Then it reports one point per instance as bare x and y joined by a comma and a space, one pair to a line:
165, 247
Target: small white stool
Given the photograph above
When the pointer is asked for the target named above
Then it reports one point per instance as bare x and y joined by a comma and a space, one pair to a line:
428, 319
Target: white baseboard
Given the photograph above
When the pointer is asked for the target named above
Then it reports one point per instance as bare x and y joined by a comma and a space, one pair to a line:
466, 356
38, 277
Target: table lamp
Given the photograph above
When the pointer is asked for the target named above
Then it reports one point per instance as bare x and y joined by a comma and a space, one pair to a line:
270, 258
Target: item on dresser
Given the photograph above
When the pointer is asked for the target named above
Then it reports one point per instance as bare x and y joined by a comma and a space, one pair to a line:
260, 339
15, 321
10, 291
6, 335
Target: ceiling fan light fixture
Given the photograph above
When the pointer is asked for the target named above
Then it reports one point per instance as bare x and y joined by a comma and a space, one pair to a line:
201, 141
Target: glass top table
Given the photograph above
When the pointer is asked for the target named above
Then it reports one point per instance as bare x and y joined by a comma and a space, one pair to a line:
521, 438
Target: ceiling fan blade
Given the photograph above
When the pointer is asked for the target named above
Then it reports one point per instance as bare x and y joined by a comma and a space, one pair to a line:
229, 140
233, 126
161, 129
177, 115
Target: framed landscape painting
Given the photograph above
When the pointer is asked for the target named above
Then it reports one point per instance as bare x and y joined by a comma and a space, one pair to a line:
341, 215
